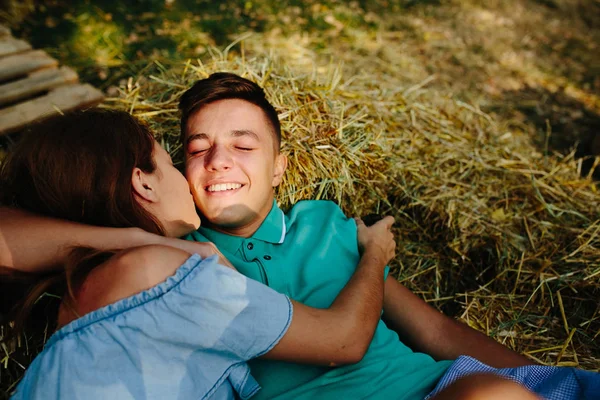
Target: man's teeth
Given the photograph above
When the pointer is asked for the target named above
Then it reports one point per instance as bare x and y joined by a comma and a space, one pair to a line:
219, 187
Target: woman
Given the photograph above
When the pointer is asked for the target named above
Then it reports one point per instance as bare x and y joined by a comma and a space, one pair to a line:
163, 321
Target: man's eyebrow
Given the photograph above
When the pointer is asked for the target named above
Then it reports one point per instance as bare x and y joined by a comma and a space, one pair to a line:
244, 132
197, 136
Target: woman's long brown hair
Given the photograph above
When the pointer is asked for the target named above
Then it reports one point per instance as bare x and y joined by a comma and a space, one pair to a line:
76, 167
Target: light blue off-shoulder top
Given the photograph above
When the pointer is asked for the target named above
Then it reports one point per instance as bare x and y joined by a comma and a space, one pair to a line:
188, 337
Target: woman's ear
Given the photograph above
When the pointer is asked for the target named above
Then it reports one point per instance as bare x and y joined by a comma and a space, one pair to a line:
143, 185
280, 166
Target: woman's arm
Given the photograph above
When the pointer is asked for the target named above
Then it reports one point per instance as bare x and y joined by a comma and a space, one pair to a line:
33, 243
342, 333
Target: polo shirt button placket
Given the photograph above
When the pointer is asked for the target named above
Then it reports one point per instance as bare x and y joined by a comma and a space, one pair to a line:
248, 251
251, 255
267, 257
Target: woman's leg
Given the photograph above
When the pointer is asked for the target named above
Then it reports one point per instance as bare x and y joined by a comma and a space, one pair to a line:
485, 387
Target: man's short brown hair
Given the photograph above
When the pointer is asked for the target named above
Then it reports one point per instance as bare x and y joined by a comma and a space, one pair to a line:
224, 86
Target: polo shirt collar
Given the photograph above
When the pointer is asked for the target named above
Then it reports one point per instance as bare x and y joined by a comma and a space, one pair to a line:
272, 230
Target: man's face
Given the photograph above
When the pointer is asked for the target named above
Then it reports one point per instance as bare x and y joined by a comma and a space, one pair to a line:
232, 165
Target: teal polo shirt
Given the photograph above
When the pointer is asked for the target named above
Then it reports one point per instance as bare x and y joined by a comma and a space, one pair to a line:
309, 255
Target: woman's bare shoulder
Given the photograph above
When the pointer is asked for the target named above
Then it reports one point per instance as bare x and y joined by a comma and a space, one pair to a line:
142, 267
125, 274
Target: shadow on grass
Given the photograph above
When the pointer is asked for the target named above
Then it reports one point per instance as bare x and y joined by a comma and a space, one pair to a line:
107, 40
562, 122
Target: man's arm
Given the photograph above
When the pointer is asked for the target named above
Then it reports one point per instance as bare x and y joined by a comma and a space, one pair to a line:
342, 333
425, 329
33, 243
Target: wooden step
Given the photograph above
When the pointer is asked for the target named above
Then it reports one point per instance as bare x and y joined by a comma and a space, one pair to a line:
25, 63
36, 82
9, 45
29, 73
61, 99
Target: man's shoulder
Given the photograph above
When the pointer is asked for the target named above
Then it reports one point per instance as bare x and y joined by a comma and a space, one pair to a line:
315, 207
316, 213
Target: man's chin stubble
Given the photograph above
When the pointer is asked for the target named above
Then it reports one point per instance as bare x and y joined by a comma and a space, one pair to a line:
232, 218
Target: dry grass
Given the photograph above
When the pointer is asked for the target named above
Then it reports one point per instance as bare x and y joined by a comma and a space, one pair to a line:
490, 229
493, 226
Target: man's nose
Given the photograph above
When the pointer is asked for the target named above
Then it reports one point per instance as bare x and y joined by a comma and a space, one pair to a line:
218, 159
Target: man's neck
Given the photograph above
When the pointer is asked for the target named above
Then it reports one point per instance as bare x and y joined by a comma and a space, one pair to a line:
244, 231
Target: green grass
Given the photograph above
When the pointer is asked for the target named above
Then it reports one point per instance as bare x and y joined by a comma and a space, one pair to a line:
107, 40
533, 65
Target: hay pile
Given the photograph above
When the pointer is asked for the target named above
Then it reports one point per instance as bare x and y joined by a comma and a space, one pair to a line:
489, 229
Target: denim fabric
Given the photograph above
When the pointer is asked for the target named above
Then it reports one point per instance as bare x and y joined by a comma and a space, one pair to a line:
310, 254
188, 337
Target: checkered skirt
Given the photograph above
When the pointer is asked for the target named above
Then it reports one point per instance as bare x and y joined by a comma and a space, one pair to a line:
552, 383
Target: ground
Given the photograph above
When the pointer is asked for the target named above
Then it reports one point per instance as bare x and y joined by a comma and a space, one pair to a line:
534, 63
523, 265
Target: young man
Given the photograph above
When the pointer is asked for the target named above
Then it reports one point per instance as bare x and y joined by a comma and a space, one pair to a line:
231, 137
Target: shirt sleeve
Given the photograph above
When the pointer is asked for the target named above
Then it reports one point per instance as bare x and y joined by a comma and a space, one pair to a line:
229, 312
348, 226
187, 337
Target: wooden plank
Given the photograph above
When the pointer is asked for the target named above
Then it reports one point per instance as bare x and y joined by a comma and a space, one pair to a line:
9, 45
25, 63
63, 98
4, 31
35, 83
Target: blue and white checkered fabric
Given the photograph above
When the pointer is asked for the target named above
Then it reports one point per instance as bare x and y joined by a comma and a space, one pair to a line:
552, 383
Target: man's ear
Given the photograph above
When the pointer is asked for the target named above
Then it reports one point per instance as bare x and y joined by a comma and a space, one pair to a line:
280, 166
143, 185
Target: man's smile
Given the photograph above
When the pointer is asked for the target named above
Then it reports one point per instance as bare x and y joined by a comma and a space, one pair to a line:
223, 188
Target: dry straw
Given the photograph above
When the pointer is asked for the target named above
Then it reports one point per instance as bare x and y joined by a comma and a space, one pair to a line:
489, 229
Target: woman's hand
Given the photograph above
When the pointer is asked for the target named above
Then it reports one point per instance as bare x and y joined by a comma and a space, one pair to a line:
207, 249
377, 240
